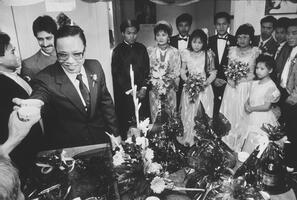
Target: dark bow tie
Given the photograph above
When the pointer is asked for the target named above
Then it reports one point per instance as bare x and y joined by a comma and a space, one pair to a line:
222, 37
185, 38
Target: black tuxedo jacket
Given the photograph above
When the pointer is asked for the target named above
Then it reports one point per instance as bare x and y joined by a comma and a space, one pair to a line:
66, 122
281, 60
24, 154
174, 41
212, 44
122, 57
270, 47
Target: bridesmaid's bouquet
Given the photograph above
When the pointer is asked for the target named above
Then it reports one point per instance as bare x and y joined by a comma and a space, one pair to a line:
194, 85
236, 70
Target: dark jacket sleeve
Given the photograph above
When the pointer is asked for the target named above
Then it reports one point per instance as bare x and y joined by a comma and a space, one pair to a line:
106, 104
116, 65
146, 64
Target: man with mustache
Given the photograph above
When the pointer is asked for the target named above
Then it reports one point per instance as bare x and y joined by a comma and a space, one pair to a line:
44, 29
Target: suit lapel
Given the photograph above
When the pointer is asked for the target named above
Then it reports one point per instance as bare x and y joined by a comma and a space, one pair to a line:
93, 86
68, 89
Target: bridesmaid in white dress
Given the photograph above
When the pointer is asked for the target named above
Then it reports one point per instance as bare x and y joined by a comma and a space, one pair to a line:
196, 60
263, 93
235, 96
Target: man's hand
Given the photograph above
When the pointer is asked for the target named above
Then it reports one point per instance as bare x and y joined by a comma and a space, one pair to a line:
290, 100
17, 131
115, 142
141, 93
219, 82
28, 102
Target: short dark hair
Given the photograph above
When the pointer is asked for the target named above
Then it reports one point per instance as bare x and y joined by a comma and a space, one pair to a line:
282, 23
222, 15
267, 60
69, 30
4, 42
129, 23
185, 17
162, 27
44, 23
246, 29
198, 33
292, 22
270, 19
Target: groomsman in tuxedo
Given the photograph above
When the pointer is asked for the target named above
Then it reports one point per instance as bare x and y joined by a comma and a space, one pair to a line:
126, 54
11, 86
219, 44
78, 108
287, 76
281, 34
265, 41
44, 29
181, 41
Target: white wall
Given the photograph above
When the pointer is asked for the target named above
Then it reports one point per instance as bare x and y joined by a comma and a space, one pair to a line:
91, 17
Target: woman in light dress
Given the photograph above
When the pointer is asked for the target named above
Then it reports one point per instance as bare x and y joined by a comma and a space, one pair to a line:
165, 63
236, 95
196, 60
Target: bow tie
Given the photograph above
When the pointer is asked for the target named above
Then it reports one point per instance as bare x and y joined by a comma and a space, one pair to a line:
222, 37
185, 38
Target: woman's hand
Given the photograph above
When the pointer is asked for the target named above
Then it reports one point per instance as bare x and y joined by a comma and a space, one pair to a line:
231, 83
248, 107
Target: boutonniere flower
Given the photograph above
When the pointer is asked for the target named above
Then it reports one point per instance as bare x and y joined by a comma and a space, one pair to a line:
94, 78
294, 60
228, 43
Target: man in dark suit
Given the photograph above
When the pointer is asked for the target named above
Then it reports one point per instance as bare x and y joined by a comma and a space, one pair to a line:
44, 29
281, 33
126, 54
265, 41
11, 86
219, 44
181, 41
287, 78
183, 25
78, 107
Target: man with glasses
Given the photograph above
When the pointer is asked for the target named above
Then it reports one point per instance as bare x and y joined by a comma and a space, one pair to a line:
78, 107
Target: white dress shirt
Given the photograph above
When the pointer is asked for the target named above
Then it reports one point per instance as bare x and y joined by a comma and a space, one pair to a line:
285, 73
75, 82
21, 82
221, 44
182, 44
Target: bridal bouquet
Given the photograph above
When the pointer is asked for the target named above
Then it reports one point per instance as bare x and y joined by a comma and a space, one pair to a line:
161, 78
236, 70
194, 85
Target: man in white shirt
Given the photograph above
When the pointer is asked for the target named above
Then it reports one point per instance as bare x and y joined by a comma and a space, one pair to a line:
183, 25
287, 77
181, 42
220, 44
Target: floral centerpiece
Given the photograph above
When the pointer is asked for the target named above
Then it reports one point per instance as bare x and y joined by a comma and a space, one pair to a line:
236, 70
194, 84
